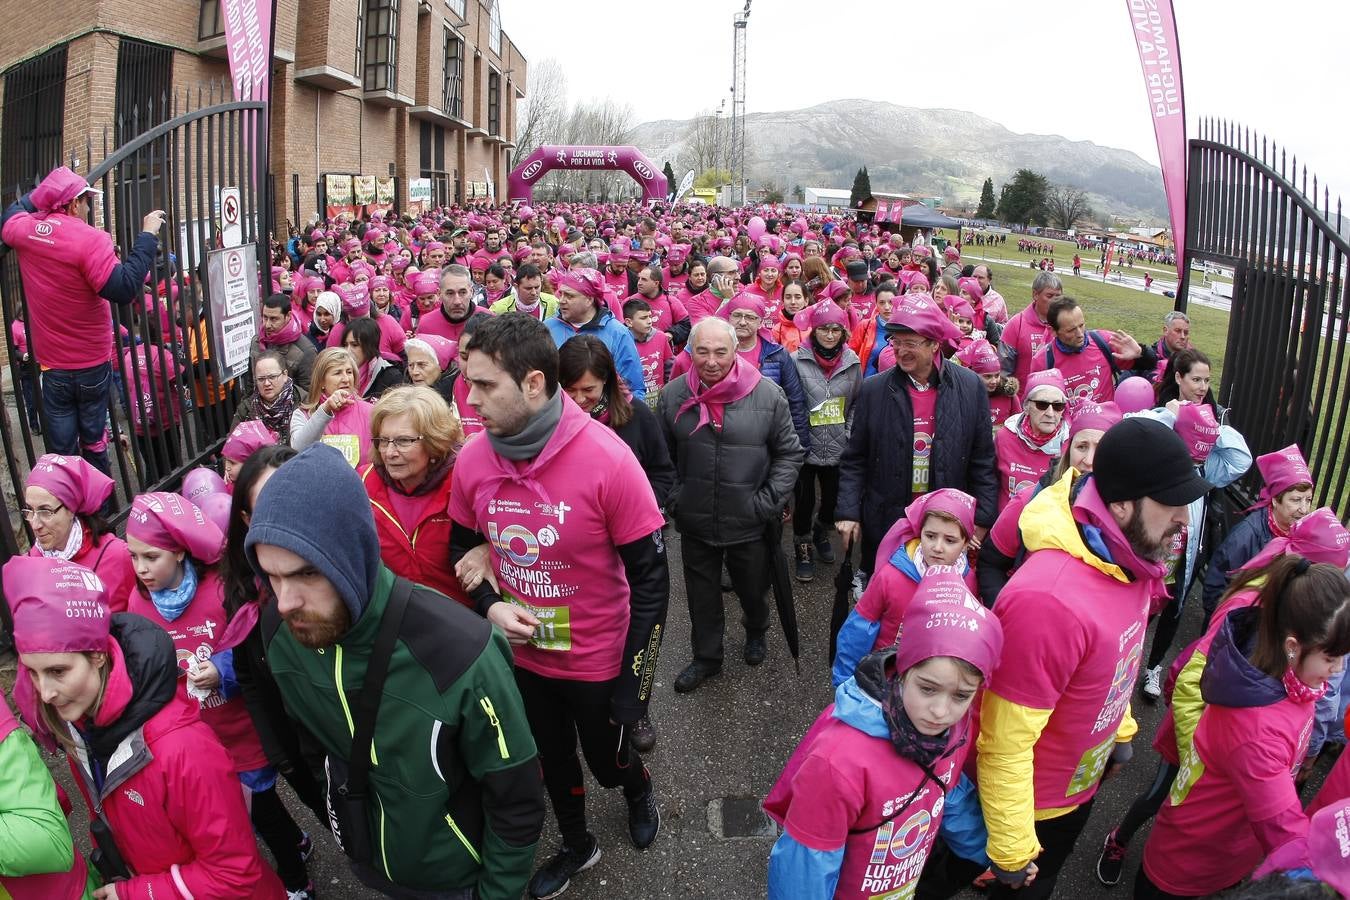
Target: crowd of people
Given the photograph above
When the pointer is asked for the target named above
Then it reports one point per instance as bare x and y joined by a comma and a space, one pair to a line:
504, 409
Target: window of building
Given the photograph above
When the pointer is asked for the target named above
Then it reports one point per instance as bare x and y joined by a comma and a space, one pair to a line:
432, 158
377, 59
210, 23
452, 99
494, 103
457, 7
32, 127
495, 28
144, 87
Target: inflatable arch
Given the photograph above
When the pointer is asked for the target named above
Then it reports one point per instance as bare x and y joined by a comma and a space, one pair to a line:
631, 160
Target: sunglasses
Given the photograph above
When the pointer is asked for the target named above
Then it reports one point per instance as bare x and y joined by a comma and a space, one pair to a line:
1043, 405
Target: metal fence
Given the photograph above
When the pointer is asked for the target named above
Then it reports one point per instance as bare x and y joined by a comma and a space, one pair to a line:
167, 412
1250, 206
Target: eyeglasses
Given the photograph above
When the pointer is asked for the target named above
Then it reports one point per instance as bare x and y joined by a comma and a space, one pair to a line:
744, 317
1043, 405
268, 379
906, 344
402, 442
41, 513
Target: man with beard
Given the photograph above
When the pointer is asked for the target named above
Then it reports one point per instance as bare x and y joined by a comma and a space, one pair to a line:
450, 718
1055, 720
457, 305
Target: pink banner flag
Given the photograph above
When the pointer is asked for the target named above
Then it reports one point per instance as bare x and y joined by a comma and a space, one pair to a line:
248, 43
1155, 33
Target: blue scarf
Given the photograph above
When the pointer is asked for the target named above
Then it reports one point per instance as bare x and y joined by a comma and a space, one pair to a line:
173, 602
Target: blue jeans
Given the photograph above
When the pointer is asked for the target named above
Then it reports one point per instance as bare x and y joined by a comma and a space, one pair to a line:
76, 403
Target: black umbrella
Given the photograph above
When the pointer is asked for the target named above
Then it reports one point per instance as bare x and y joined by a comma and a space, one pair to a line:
843, 593
782, 590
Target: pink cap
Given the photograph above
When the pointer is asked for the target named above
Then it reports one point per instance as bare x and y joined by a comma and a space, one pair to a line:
439, 348
1134, 394
1329, 845
246, 439
979, 357
914, 279
826, 312
921, 252
59, 188
1317, 537
1198, 428
1094, 417
1046, 378
587, 282
171, 522
677, 254
972, 287
381, 281
951, 252
425, 284
355, 299
58, 606
945, 619
79, 486
919, 314
1282, 470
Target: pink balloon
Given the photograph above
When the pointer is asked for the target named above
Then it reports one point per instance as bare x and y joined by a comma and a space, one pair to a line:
200, 482
755, 228
216, 507
1134, 394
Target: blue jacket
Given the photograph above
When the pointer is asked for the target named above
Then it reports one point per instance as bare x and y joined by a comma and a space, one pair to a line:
796, 872
776, 365
615, 336
1243, 542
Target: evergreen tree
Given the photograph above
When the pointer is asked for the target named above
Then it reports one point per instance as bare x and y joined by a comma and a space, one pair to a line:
987, 201
862, 188
671, 184
1024, 199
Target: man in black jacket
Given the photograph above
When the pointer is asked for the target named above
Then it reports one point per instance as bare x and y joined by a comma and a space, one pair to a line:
921, 426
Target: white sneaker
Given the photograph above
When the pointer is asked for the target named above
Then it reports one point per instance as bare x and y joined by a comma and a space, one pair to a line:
1153, 682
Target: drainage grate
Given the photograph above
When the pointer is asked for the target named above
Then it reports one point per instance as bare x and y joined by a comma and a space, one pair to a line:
739, 817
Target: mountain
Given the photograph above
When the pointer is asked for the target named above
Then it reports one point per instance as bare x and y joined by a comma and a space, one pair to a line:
923, 152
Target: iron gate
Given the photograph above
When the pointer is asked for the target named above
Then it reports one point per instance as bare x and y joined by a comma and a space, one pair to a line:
174, 415
1285, 373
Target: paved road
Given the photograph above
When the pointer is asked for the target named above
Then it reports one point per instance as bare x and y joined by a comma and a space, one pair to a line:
730, 740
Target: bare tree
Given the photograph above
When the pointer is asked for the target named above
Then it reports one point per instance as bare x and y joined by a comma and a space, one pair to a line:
600, 123
702, 144
1067, 206
545, 109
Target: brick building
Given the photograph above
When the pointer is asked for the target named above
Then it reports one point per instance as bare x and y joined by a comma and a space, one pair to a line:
403, 88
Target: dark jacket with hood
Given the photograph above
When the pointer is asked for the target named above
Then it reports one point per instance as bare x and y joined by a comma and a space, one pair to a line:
456, 798
1246, 540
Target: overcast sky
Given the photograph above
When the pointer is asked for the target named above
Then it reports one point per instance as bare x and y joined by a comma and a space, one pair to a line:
1065, 67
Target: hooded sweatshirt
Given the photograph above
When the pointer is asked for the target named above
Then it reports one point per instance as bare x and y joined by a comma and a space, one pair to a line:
1235, 788
456, 797
840, 796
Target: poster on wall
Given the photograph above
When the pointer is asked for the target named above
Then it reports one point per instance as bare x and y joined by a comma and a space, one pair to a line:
363, 189
384, 195
419, 195
338, 192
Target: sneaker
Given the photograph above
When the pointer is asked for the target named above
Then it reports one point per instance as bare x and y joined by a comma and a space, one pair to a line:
305, 893
306, 846
644, 735
555, 876
644, 819
693, 675
755, 649
806, 569
824, 549
1153, 684
1111, 861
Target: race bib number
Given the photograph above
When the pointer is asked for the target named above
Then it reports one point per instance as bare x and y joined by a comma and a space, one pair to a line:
348, 444
1091, 767
1192, 767
830, 412
554, 631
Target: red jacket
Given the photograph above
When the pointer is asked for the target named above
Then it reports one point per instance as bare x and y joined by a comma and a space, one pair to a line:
419, 548
172, 799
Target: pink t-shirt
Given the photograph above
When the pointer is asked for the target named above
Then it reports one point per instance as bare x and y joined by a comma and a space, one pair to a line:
1001, 407
1079, 634
1087, 375
468, 416
1029, 336
64, 263
773, 299
435, 322
1240, 770
392, 337
555, 535
925, 420
1019, 464
653, 354
843, 788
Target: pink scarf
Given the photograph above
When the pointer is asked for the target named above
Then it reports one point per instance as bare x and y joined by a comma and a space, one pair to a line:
286, 334
712, 401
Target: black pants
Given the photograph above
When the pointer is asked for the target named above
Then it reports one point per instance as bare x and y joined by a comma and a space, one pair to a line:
945, 874
1169, 620
1057, 837
1147, 804
1145, 889
560, 712
281, 835
748, 566
804, 500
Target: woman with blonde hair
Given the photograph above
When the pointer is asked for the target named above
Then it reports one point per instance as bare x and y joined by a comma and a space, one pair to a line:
334, 411
414, 441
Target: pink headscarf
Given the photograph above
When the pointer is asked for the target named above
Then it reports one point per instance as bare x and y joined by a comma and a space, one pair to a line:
1281, 470
246, 439
1046, 378
1198, 428
945, 619
425, 284
826, 312
1317, 537
79, 486
587, 282
58, 606
979, 357
1094, 416
957, 504
174, 523
919, 314
355, 298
